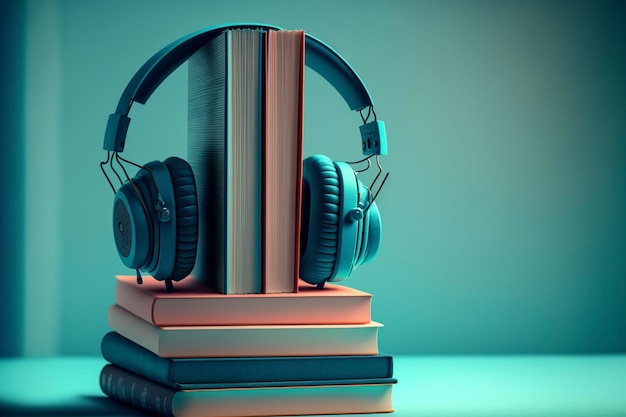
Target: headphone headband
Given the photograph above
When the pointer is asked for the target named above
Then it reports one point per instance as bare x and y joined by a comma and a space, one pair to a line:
319, 57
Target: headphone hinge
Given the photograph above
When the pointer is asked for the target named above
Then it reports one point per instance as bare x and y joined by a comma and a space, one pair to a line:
374, 138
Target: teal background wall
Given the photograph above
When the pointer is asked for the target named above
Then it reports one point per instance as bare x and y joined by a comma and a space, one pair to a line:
504, 212
11, 177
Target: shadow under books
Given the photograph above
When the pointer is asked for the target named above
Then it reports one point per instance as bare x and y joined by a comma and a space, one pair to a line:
84, 405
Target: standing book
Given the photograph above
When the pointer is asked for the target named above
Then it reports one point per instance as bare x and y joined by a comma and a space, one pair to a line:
368, 396
246, 341
225, 152
282, 158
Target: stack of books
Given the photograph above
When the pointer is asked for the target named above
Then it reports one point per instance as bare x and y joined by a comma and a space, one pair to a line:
198, 352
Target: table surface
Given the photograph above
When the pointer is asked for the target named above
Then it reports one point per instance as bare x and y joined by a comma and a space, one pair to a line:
428, 386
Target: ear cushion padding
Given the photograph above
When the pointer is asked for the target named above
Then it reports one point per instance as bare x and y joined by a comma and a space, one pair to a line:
320, 219
186, 202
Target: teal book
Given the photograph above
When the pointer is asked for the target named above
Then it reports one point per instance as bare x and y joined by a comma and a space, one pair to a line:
318, 397
187, 372
225, 90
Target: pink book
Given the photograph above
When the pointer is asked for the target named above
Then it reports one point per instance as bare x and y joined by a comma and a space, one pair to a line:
282, 159
194, 304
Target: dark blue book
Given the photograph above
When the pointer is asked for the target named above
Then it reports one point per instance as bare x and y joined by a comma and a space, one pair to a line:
191, 372
247, 400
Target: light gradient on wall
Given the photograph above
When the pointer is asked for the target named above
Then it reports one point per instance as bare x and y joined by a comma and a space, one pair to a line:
504, 226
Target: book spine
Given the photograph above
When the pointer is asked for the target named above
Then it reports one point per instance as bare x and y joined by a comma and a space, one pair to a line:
128, 355
135, 391
250, 341
295, 370
324, 308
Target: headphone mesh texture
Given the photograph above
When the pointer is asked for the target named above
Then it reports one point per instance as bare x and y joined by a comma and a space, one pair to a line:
122, 229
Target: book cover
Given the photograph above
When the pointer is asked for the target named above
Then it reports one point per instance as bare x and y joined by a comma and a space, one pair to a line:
282, 158
186, 372
245, 341
363, 397
192, 303
225, 151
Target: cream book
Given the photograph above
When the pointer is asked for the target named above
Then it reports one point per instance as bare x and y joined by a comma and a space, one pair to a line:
246, 341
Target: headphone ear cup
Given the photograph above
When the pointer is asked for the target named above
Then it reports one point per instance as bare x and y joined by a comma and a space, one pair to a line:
319, 219
186, 203
132, 228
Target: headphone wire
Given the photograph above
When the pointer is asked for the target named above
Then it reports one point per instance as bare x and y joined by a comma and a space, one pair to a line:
102, 165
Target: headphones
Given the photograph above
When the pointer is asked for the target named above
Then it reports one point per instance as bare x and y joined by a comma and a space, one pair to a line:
155, 214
